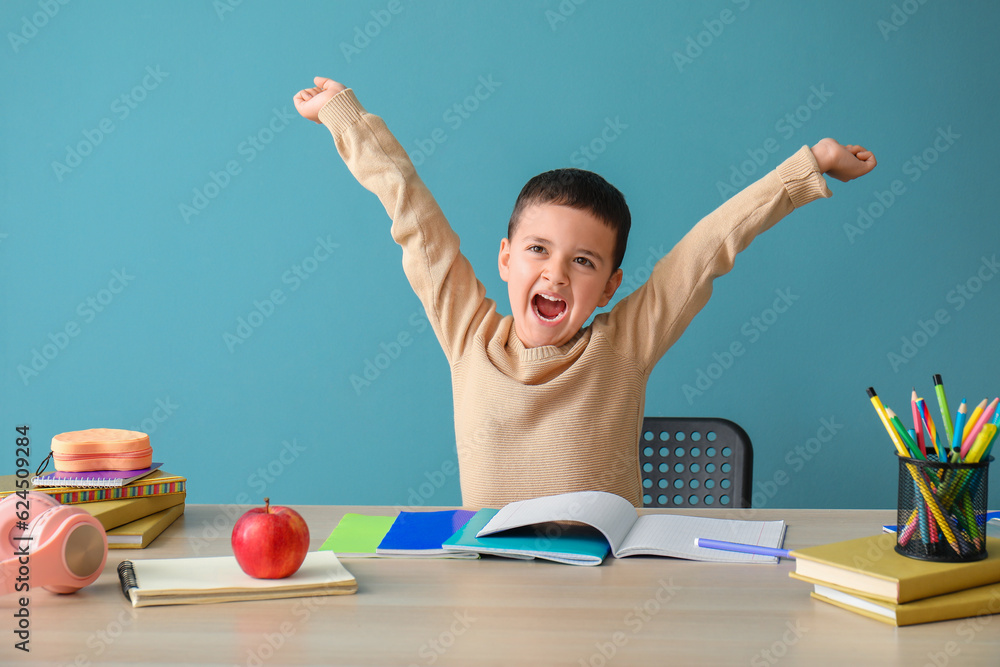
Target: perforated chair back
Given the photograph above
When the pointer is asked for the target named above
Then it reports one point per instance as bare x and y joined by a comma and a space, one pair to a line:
695, 462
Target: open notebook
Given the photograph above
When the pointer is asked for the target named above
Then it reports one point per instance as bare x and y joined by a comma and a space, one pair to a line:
525, 529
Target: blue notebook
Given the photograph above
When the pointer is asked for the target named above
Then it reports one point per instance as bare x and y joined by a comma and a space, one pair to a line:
421, 534
573, 545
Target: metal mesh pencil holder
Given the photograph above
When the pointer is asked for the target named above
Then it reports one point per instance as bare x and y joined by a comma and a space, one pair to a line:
941, 510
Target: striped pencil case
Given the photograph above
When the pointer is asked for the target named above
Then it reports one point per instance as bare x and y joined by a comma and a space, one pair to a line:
101, 449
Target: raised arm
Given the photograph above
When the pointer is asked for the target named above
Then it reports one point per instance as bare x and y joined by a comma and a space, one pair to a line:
648, 321
440, 275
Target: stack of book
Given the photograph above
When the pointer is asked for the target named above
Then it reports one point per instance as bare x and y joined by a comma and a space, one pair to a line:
133, 506
868, 577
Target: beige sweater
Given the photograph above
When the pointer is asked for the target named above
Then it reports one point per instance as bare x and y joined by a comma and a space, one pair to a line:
545, 420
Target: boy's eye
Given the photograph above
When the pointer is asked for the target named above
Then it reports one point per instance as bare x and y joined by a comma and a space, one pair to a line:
583, 261
536, 248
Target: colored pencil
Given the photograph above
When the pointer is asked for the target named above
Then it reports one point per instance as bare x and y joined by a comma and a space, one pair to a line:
983, 441
956, 442
973, 418
930, 428
984, 418
918, 427
911, 445
880, 410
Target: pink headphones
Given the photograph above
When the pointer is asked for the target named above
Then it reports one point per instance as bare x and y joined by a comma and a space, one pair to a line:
62, 549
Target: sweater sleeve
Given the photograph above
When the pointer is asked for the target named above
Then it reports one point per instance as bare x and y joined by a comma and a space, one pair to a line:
646, 323
441, 276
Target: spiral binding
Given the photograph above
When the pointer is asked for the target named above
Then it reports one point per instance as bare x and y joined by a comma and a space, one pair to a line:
126, 575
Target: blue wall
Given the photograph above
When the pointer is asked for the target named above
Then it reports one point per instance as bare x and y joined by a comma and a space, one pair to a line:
159, 190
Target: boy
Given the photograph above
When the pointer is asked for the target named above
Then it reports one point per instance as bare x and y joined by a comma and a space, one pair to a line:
542, 404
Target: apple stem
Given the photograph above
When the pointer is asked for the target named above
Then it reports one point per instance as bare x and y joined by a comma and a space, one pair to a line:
267, 505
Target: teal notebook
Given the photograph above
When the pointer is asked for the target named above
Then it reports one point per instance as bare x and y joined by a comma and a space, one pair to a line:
573, 545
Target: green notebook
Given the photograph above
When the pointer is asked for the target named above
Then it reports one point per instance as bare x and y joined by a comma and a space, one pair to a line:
358, 535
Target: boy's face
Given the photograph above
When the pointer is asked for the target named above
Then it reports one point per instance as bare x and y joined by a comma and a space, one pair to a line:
558, 270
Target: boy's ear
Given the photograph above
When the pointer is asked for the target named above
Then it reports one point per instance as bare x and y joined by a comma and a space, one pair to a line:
614, 282
503, 259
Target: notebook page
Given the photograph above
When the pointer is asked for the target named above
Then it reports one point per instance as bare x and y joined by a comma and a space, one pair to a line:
674, 535
610, 514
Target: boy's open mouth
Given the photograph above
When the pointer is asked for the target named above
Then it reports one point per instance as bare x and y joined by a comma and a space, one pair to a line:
549, 308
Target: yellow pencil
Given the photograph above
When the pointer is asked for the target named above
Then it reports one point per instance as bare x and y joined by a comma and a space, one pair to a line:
982, 441
880, 410
973, 418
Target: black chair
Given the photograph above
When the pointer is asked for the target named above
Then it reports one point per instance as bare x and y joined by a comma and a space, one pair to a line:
695, 462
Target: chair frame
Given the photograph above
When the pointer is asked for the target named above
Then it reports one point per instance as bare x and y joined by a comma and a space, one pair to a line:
709, 473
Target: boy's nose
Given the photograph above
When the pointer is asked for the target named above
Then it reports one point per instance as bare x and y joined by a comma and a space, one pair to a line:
555, 273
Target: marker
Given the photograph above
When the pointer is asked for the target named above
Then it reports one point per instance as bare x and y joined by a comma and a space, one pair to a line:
943, 406
742, 548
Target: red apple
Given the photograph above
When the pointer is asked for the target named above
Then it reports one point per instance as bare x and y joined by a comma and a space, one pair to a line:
270, 542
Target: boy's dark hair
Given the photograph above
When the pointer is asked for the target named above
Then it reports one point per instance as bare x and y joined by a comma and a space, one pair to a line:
582, 190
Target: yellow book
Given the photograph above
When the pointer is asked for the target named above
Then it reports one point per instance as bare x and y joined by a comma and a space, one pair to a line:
154, 484
139, 533
870, 566
114, 513
962, 604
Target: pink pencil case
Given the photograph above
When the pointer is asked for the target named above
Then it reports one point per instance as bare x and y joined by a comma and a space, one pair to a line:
101, 449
